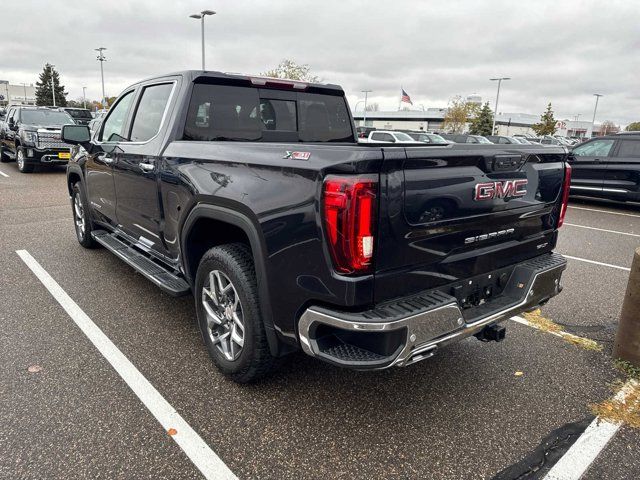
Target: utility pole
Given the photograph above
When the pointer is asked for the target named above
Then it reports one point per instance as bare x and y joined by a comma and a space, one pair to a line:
593, 121
24, 85
364, 117
200, 16
84, 97
495, 112
53, 90
101, 58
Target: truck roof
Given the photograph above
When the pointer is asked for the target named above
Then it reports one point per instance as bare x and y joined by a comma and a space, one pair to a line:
258, 80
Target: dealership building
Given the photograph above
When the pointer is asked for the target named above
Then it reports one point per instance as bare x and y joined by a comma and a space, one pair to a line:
432, 119
21, 94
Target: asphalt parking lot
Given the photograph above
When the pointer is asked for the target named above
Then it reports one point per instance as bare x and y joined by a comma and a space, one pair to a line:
471, 411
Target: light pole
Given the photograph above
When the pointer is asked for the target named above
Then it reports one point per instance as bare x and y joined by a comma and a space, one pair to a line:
593, 121
495, 111
24, 85
53, 91
200, 16
364, 115
84, 97
101, 58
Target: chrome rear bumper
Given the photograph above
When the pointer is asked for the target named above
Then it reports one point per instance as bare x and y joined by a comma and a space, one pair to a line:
412, 329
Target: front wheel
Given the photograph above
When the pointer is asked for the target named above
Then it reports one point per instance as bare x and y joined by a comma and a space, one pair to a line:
229, 313
21, 160
3, 156
81, 220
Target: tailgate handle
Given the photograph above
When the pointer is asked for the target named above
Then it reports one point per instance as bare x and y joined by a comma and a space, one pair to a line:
503, 163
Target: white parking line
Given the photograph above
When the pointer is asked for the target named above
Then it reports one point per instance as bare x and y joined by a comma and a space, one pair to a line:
4, 174
597, 263
576, 461
604, 211
205, 459
602, 229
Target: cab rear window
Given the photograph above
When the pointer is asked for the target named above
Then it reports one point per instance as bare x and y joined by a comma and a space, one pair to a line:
236, 113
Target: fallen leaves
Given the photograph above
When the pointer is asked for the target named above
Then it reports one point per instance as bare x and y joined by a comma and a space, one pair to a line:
519, 374
172, 431
34, 369
622, 408
536, 320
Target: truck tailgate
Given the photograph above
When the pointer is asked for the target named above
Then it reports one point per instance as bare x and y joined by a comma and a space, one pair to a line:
453, 213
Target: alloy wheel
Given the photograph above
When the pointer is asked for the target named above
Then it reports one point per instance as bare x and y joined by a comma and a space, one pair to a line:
20, 159
78, 214
224, 314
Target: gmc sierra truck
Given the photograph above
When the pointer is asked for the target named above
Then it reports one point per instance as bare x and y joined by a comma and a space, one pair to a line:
253, 194
32, 137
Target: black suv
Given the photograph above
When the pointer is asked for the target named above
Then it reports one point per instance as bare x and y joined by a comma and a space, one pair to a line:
607, 167
31, 136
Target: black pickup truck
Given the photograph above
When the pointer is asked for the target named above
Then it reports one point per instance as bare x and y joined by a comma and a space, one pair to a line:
254, 194
31, 137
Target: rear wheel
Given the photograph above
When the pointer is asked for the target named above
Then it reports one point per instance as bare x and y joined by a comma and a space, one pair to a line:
81, 220
21, 159
229, 313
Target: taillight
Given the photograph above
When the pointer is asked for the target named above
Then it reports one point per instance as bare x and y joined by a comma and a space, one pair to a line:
349, 209
565, 193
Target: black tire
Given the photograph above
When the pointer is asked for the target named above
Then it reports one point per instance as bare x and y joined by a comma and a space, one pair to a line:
81, 217
3, 156
23, 166
254, 359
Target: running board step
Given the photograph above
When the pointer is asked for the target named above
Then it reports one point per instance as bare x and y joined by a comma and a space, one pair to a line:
163, 278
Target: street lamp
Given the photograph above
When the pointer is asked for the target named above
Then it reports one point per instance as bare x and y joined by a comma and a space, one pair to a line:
101, 58
495, 112
200, 16
364, 116
24, 85
53, 91
593, 121
84, 97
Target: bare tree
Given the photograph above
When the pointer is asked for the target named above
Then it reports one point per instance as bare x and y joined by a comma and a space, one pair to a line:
288, 69
609, 127
373, 107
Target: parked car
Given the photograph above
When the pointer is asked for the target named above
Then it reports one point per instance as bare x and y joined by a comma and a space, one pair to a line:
465, 138
255, 195
607, 167
81, 116
97, 119
426, 137
503, 139
363, 132
390, 136
522, 140
32, 137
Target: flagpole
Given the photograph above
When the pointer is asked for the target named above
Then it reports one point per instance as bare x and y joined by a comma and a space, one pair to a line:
400, 102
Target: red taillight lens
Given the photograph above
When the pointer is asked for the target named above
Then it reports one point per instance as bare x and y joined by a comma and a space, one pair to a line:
565, 193
349, 209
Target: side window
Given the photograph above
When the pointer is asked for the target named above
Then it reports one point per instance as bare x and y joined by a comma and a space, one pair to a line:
472, 140
377, 136
150, 111
629, 149
387, 137
112, 130
596, 148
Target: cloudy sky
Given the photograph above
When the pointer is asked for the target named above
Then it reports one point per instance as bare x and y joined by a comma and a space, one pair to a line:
558, 51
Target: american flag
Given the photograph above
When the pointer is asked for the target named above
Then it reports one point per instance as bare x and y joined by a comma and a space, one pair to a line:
405, 97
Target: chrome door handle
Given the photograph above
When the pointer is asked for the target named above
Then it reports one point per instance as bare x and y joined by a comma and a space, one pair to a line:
147, 167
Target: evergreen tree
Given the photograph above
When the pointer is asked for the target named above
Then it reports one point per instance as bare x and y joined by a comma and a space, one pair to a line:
482, 124
547, 125
43, 88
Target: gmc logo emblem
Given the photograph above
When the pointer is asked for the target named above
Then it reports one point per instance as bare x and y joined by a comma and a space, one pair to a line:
505, 189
